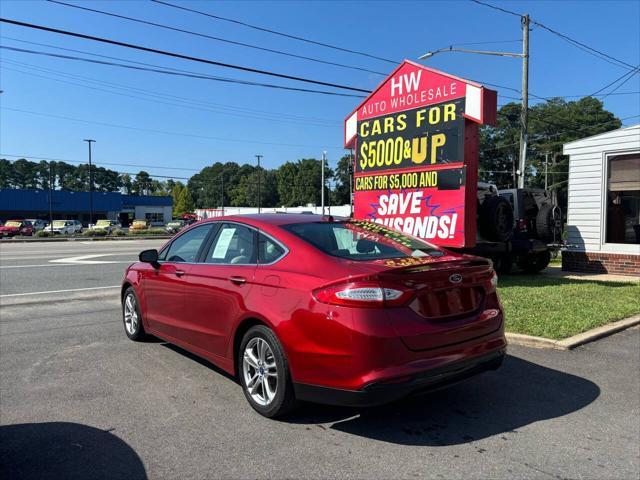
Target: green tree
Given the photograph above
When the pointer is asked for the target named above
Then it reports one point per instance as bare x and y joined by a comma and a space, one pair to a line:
343, 179
245, 193
127, 183
551, 124
142, 184
185, 203
5, 173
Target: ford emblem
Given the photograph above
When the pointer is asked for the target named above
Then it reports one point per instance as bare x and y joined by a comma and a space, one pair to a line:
455, 278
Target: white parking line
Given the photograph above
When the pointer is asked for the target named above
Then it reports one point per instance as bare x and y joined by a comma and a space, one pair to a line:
62, 264
57, 291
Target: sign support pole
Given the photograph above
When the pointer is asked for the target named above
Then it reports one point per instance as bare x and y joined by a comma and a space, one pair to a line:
524, 114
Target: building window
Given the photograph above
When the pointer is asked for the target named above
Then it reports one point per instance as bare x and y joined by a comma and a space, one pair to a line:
154, 218
623, 199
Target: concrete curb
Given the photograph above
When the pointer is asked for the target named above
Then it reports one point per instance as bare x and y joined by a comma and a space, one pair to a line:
575, 341
89, 239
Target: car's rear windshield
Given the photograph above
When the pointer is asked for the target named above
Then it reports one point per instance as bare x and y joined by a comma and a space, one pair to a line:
13, 223
103, 222
361, 240
59, 223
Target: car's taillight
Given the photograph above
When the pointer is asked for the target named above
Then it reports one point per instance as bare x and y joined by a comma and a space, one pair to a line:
521, 225
363, 294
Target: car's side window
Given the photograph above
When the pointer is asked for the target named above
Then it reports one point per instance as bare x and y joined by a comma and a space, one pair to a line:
268, 250
234, 245
185, 248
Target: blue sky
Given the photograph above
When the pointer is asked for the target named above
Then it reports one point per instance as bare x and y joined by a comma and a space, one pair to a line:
234, 122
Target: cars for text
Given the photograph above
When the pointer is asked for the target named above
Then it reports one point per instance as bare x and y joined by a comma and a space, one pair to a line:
304, 307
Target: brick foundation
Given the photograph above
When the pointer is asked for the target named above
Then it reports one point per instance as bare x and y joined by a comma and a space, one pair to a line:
595, 262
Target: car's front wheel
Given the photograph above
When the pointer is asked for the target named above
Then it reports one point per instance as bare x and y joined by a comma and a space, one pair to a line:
264, 373
131, 316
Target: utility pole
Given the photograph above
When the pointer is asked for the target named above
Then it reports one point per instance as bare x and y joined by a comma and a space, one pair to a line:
259, 157
89, 141
50, 197
324, 159
222, 191
524, 114
546, 169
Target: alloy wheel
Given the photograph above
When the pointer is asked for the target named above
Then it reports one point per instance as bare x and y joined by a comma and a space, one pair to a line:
260, 371
131, 318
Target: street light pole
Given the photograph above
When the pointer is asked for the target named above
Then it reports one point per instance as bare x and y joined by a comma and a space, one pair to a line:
89, 141
324, 159
259, 157
50, 197
524, 114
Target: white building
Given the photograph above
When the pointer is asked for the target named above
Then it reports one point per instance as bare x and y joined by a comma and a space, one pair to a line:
603, 219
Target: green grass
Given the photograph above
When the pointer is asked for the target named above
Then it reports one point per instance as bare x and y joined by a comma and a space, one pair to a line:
557, 308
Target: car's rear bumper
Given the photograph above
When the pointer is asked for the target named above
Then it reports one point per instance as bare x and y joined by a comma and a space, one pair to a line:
379, 393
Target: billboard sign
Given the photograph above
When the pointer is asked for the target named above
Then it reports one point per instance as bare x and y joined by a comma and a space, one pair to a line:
416, 153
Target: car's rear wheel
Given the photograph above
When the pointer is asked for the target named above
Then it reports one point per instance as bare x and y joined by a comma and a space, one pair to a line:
131, 316
264, 373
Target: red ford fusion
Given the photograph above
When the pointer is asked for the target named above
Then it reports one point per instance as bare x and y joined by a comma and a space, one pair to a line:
305, 307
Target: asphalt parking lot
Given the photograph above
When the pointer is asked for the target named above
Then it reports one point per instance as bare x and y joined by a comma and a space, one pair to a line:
79, 400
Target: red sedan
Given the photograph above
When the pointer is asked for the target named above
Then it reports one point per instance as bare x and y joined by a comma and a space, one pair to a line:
304, 307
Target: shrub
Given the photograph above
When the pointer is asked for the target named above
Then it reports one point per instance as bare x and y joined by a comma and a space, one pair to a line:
44, 233
94, 233
149, 231
118, 233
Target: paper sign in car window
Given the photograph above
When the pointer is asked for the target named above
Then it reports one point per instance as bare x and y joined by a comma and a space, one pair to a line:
222, 246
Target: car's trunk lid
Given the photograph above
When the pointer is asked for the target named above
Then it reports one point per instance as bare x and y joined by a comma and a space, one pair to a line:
448, 305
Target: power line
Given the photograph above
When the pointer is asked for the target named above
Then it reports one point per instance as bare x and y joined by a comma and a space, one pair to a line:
79, 163
275, 32
631, 73
503, 10
49, 159
592, 51
585, 47
179, 73
180, 55
219, 39
194, 106
222, 106
165, 132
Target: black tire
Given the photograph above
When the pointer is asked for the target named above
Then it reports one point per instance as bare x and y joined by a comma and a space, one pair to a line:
549, 223
535, 262
496, 219
284, 400
135, 333
503, 263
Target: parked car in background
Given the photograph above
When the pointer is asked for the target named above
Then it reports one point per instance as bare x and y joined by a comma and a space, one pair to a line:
13, 228
302, 307
107, 225
175, 225
139, 225
38, 224
66, 227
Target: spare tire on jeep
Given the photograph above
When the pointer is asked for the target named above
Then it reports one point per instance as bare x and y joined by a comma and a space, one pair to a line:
495, 221
549, 223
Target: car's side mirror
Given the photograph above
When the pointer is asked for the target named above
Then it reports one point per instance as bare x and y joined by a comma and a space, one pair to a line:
149, 256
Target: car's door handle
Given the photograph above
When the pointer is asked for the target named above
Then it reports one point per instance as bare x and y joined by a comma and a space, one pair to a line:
179, 273
237, 280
